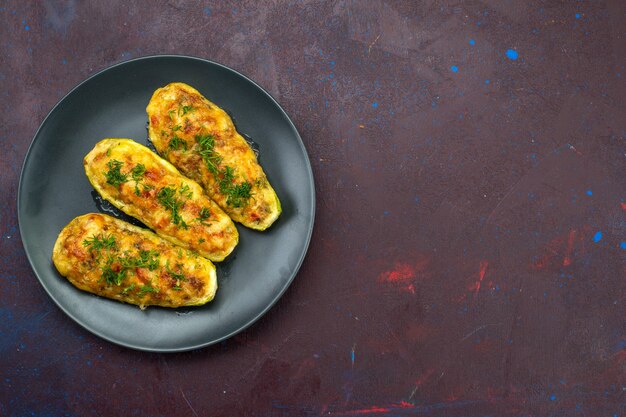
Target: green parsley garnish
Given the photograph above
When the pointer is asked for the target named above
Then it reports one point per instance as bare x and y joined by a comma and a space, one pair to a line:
114, 176
177, 288
167, 198
201, 240
170, 113
177, 127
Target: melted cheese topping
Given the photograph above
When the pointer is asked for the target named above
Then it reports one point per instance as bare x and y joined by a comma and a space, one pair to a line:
135, 267
179, 117
142, 185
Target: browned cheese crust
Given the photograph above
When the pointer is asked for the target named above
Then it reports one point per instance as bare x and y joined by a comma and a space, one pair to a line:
145, 186
199, 138
111, 258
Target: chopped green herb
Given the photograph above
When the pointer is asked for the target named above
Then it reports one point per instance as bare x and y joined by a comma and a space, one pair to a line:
167, 198
237, 194
170, 113
145, 289
178, 276
201, 240
138, 171
177, 288
204, 214
99, 242
185, 191
147, 259
206, 144
137, 174
177, 127
129, 288
114, 176
183, 110
176, 143
113, 275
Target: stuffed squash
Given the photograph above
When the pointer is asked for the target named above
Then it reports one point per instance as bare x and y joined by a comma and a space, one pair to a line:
111, 258
199, 138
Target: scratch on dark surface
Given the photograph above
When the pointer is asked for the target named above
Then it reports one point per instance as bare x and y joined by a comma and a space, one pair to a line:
352, 355
479, 328
267, 355
369, 48
188, 403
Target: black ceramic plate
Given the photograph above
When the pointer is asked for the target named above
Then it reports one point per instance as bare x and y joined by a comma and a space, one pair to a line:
54, 189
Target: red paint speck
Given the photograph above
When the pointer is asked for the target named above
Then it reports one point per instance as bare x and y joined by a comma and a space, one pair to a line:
373, 409
481, 275
623, 206
402, 272
567, 260
419, 381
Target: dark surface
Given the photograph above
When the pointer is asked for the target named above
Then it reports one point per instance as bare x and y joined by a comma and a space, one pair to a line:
54, 189
456, 267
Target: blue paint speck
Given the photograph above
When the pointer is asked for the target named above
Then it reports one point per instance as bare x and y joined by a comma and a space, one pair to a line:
511, 54
597, 237
386, 213
26, 27
622, 245
487, 81
352, 356
589, 192
207, 11
374, 104
64, 62
417, 200
552, 397
577, 15
472, 42
454, 68
332, 63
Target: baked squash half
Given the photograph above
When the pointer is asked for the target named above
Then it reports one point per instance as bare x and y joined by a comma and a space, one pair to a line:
111, 258
145, 186
200, 139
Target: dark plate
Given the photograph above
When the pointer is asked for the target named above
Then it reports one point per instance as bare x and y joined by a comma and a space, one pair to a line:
54, 189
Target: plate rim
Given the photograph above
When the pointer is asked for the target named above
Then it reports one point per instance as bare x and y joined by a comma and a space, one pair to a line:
278, 295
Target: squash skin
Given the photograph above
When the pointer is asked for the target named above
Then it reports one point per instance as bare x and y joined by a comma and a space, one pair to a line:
214, 238
179, 112
178, 277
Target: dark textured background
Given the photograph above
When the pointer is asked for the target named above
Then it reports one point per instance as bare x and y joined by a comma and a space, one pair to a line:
468, 254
